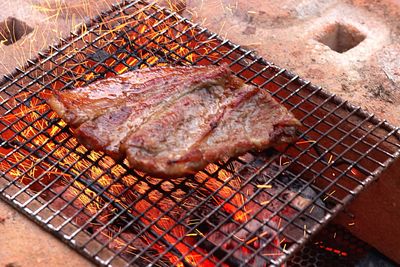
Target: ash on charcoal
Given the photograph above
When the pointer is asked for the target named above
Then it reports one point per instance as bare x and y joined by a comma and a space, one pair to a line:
252, 229
99, 55
306, 200
299, 200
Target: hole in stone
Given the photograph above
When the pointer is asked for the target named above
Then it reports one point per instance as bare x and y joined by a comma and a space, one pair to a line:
12, 29
341, 37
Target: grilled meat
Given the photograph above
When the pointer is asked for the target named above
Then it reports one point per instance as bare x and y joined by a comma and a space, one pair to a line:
173, 121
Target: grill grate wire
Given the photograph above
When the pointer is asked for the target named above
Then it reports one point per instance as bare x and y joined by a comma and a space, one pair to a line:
227, 215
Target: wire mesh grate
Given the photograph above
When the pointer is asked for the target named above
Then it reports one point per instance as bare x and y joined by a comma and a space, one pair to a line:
256, 209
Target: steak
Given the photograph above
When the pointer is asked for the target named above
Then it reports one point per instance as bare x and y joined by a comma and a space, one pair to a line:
173, 121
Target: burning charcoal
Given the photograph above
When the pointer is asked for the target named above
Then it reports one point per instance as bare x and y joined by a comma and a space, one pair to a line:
301, 203
254, 233
203, 212
297, 204
305, 199
99, 55
5, 144
277, 180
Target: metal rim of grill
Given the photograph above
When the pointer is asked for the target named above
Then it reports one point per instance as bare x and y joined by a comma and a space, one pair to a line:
116, 216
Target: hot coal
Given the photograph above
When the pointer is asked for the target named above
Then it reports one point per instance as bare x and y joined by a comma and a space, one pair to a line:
251, 230
287, 193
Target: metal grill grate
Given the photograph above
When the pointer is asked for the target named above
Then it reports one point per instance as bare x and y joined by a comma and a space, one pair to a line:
256, 209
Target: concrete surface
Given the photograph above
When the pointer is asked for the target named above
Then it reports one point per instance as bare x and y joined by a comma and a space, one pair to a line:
23, 243
293, 34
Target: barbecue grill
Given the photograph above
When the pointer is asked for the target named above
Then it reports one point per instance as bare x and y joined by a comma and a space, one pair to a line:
257, 209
